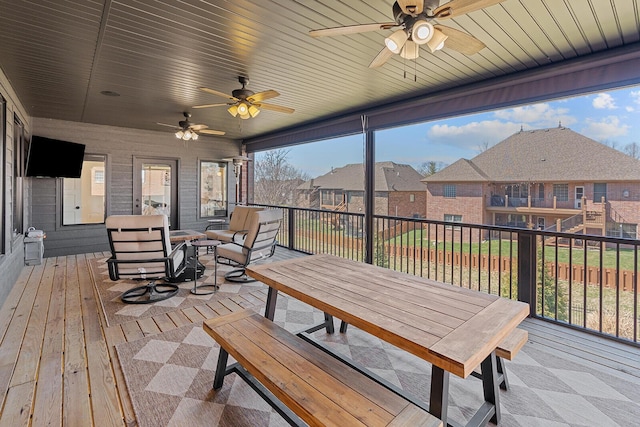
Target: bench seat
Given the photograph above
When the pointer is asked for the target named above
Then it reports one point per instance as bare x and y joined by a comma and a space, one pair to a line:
507, 350
316, 387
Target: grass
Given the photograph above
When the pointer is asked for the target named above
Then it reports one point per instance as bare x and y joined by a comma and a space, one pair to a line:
505, 248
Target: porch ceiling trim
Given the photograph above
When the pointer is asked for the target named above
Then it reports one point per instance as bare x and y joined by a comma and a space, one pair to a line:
600, 71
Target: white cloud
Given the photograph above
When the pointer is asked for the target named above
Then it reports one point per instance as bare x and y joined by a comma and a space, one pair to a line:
539, 116
604, 101
635, 98
605, 129
472, 135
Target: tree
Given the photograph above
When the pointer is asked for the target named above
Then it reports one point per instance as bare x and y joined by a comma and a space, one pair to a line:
484, 146
276, 179
430, 168
633, 150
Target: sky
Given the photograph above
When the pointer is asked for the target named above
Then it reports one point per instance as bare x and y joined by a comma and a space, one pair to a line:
612, 118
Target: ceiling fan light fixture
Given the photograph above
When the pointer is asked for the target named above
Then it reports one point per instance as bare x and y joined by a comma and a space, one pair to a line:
243, 109
233, 110
396, 41
437, 41
410, 50
187, 135
253, 110
421, 32
179, 134
245, 116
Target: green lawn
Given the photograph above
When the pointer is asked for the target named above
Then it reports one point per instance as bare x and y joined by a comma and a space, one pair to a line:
504, 248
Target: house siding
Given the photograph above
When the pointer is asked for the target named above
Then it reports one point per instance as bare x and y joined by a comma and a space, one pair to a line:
12, 256
121, 146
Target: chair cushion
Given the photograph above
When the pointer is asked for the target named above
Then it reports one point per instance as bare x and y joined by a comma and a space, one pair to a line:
222, 235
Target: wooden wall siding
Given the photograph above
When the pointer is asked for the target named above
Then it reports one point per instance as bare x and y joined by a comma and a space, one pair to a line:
11, 261
120, 145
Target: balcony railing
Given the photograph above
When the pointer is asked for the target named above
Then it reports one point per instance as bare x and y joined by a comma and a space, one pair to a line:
582, 281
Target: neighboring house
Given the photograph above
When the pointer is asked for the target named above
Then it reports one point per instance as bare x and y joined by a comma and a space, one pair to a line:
399, 191
541, 179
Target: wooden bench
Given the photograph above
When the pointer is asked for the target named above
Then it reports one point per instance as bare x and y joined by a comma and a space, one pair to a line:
508, 348
318, 388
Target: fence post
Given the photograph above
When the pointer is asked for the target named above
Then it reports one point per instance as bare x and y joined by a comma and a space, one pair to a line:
291, 228
527, 267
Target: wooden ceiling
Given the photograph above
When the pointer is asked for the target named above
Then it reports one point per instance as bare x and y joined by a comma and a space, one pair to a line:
60, 55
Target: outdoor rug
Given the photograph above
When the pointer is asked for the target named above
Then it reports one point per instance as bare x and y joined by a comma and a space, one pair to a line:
117, 312
169, 378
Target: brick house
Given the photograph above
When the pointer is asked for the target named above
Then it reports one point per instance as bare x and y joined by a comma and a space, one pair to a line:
542, 178
398, 187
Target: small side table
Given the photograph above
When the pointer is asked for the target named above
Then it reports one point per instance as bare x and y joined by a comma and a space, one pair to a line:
208, 244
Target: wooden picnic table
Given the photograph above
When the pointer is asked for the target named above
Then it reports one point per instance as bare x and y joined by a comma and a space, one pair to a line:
455, 329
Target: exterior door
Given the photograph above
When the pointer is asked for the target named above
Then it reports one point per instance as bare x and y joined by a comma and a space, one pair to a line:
579, 196
155, 188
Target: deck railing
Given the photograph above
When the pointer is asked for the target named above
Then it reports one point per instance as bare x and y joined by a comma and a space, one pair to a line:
582, 281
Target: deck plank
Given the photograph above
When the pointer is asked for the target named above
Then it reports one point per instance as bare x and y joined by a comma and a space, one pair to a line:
47, 408
105, 400
76, 375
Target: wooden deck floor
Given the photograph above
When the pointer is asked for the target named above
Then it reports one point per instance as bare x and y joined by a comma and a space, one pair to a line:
58, 365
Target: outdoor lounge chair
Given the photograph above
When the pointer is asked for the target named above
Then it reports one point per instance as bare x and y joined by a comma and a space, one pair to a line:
238, 224
141, 250
257, 243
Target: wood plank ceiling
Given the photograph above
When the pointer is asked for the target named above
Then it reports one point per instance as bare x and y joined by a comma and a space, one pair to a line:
60, 55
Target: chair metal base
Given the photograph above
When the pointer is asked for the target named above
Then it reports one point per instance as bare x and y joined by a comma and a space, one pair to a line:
239, 276
149, 293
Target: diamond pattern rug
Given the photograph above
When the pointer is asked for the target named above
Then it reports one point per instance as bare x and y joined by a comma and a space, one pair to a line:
117, 312
169, 377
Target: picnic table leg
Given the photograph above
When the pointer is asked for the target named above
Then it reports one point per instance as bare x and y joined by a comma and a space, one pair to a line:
270, 309
439, 395
221, 369
490, 384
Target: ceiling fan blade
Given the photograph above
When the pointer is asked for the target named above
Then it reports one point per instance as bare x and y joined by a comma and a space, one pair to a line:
382, 57
215, 92
351, 29
165, 124
277, 108
212, 132
261, 96
460, 7
198, 127
411, 7
208, 105
460, 41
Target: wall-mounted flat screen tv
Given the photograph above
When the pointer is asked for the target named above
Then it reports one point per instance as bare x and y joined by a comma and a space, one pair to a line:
52, 158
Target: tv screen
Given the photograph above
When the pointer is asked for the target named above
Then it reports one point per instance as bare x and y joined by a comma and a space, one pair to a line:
52, 158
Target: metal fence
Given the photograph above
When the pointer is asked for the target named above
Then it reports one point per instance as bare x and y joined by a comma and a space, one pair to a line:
581, 281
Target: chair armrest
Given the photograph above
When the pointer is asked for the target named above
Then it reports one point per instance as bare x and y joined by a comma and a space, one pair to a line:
179, 246
242, 233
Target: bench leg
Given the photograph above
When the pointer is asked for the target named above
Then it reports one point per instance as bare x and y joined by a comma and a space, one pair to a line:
502, 373
221, 369
327, 324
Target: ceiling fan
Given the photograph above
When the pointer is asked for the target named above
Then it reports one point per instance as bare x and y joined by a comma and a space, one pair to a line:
187, 130
246, 103
414, 26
